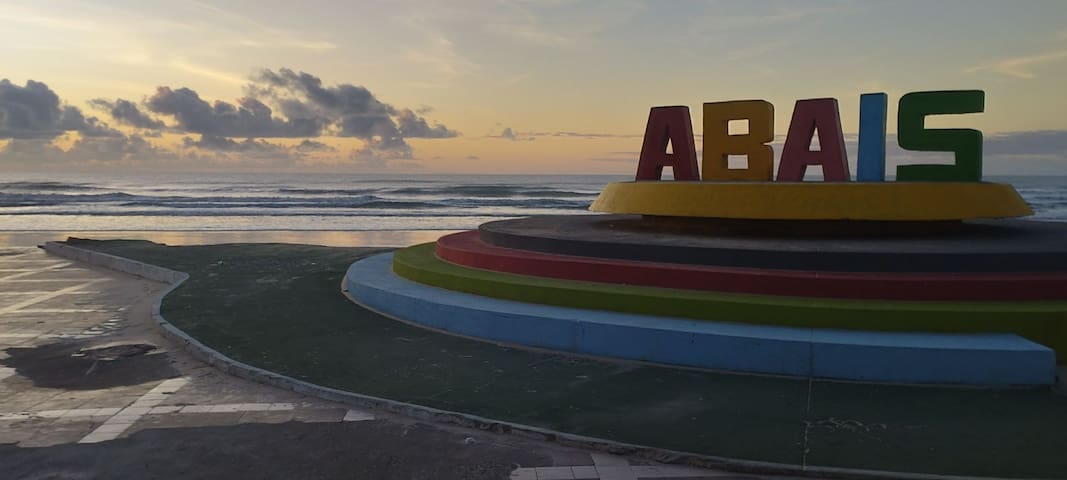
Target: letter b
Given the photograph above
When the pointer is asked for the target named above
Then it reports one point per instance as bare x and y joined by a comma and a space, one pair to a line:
719, 144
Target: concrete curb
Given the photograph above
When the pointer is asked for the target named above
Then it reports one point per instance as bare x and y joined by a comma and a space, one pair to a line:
242, 370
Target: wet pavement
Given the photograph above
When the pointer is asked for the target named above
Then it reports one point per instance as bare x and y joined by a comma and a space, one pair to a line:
89, 389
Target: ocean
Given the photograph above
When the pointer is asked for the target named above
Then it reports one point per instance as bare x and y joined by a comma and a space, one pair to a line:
315, 202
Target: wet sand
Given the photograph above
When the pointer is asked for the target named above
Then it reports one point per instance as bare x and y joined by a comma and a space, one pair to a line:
380, 238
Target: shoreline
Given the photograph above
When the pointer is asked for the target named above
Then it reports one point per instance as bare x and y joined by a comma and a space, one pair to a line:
326, 238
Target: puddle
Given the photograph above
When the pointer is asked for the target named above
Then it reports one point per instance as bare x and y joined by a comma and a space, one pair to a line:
81, 365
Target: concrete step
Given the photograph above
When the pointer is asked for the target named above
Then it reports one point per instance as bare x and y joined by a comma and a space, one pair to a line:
977, 359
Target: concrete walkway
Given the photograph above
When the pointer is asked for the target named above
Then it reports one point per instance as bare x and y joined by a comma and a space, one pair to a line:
83, 372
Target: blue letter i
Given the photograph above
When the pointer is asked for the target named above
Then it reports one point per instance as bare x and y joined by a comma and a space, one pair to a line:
871, 164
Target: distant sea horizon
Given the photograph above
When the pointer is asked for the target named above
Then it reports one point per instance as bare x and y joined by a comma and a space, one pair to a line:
145, 202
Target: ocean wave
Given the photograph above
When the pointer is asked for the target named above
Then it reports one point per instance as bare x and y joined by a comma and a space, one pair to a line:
222, 202
48, 186
277, 213
43, 199
328, 191
492, 191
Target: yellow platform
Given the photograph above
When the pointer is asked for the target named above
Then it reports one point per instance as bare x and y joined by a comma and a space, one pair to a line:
880, 201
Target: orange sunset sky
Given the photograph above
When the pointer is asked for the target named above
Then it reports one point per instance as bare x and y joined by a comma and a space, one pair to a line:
493, 86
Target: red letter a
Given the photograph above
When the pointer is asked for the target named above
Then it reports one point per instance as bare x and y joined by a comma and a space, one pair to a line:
809, 115
674, 125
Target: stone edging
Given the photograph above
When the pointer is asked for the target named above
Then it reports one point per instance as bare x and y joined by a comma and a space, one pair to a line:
242, 370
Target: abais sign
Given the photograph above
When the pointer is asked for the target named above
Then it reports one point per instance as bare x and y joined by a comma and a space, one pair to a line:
673, 125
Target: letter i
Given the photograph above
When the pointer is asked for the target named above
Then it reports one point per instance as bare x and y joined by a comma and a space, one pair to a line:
871, 164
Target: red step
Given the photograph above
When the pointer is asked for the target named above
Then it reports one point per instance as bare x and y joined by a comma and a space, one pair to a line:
467, 249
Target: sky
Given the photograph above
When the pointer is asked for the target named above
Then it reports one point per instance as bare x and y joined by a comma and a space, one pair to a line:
549, 86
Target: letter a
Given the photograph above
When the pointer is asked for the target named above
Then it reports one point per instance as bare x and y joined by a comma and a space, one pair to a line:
808, 116
668, 124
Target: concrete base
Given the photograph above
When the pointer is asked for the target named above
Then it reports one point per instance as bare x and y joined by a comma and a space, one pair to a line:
920, 358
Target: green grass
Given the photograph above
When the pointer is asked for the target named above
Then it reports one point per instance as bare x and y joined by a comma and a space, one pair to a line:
279, 307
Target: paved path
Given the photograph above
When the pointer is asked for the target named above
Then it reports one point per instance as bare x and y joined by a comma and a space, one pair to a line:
87, 385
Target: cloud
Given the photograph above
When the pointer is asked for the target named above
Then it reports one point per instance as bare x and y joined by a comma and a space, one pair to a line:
98, 151
72, 119
308, 146
473, 157
376, 157
126, 112
249, 118
558, 24
414, 126
232, 152
184, 65
1020, 67
508, 134
28, 112
440, 58
378, 151
582, 135
1034, 142
354, 110
717, 21
535, 35
281, 104
223, 144
346, 110
35, 111
122, 149
615, 160
253, 34
30, 152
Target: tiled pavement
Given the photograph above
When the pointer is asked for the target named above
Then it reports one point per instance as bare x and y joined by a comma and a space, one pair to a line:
45, 300
60, 384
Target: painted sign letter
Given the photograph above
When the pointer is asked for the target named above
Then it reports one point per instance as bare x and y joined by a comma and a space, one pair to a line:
808, 116
719, 144
912, 134
870, 167
668, 125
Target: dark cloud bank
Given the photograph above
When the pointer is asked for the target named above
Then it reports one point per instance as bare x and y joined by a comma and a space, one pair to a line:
281, 104
34, 111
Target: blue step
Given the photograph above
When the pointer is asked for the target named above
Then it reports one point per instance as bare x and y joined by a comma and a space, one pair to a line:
992, 360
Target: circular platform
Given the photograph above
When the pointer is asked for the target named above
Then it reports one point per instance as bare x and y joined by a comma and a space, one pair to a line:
886, 201
993, 246
467, 249
972, 359
1044, 322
